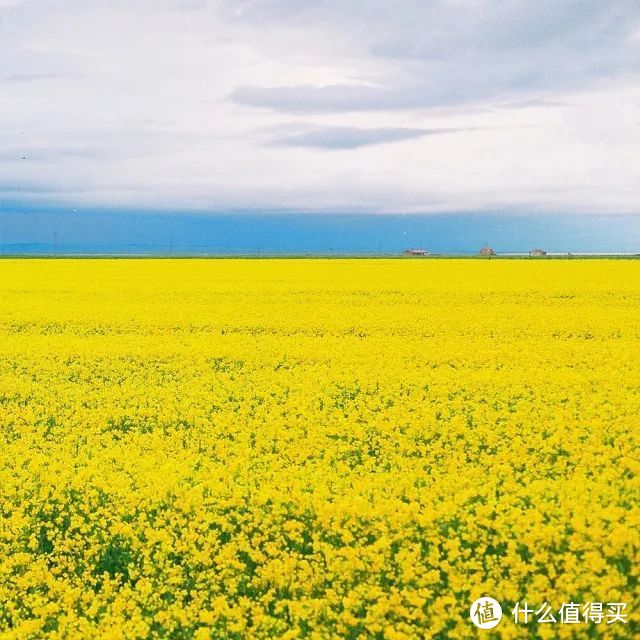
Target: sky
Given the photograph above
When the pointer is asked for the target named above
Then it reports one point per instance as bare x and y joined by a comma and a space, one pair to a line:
446, 107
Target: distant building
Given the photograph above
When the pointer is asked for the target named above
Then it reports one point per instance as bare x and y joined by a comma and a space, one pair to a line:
487, 251
415, 252
537, 252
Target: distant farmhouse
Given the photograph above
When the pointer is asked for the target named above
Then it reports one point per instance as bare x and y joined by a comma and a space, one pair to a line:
487, 251
415, 252
537, 252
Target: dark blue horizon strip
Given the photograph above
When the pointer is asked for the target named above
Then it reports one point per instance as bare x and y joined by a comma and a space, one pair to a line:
276, 233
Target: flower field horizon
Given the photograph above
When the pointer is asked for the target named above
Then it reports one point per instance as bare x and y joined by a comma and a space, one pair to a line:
323, 448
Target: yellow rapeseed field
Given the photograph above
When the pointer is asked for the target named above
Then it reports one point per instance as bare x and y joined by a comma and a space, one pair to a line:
317, 448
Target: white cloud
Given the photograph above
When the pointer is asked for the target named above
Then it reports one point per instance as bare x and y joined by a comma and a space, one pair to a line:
290, 104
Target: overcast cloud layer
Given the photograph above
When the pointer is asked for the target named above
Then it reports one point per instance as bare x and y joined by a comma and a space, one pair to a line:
417, 105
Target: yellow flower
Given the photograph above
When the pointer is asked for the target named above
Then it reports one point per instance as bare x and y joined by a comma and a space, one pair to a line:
314, 448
